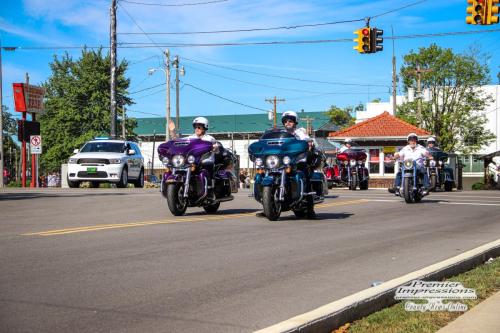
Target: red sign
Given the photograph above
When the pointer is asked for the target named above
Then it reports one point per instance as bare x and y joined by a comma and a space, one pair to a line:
35, 97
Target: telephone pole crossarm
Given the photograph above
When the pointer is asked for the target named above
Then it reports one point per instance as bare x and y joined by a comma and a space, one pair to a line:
274, 101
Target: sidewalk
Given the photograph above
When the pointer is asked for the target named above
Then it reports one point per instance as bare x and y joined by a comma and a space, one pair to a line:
484, 317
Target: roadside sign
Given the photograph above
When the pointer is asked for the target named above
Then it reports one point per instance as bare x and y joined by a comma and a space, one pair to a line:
35, 144
35, 98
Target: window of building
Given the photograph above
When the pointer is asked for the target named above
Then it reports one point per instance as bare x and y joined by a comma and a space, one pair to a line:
477, 164
374, 161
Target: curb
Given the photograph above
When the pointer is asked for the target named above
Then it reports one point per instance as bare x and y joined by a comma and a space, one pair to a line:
331, 316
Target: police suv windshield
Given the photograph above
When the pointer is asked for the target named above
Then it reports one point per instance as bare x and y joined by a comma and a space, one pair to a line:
103, 147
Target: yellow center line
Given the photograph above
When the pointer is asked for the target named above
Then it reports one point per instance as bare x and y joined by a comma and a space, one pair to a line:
157, 222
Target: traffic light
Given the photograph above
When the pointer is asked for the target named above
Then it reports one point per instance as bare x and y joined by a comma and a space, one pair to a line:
376, 40
492, 12
363, 40
476, 12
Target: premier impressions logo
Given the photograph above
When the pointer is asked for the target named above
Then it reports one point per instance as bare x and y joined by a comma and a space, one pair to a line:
434, 293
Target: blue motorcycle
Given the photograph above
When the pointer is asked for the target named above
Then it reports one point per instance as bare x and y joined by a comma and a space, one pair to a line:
286, 177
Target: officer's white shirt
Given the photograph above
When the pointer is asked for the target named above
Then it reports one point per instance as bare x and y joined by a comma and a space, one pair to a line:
343, 148
418, 154
205, 137
301, 133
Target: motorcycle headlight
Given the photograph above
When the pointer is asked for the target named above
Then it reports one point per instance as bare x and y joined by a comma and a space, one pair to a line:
352, 162
272, 161
72, 160
408, 163
360, 162
115, 161
191, 159
286, 160
440, 162
178, 161
432, 163
258, 162
165, 161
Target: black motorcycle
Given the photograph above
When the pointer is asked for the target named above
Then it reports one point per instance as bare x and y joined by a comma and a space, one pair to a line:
439, 173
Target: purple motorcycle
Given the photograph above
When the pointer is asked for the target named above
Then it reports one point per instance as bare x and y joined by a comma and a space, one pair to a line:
195, 176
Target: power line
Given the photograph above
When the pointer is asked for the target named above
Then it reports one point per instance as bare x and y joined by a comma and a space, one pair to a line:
138, 26
312, 41
147, 95
316, 93
224, 98
321, 41
286, 77
400, 8
142, 112
289, 27
148, 88
253, 83
173, 5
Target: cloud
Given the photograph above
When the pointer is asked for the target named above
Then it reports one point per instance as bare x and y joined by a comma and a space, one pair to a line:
24, 33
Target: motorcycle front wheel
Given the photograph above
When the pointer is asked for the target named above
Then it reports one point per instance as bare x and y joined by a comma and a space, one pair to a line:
270, 203
408, 190
175, 199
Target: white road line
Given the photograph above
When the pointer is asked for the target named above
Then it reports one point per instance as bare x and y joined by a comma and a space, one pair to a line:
469, 203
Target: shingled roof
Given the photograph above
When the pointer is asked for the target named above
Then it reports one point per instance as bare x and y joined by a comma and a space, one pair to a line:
381, 126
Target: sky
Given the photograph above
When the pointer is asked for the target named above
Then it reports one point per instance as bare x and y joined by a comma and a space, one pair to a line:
349, 78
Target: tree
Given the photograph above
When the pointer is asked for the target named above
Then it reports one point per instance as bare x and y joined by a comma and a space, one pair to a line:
340, 117
455, 110
77, 104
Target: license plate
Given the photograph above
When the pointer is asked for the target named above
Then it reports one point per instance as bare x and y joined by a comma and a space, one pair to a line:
91, 170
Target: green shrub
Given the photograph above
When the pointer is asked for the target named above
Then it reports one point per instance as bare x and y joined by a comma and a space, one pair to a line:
478, 186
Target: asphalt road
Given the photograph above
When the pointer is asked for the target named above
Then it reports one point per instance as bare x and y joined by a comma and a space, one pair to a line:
115, 260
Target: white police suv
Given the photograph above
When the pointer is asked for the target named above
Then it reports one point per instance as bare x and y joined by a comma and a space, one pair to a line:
104, 160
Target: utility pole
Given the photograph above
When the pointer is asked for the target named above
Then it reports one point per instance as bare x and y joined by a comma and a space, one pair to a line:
123, 124
112, 37
418, 73
394, 104
167, 73
274, 101
176, 65
1, 121
308, 125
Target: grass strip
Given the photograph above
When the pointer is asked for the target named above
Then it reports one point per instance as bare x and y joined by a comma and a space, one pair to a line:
485, 279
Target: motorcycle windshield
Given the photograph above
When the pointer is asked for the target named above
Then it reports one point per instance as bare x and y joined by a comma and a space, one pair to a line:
352, 154
277, 142
195, 147
438, 154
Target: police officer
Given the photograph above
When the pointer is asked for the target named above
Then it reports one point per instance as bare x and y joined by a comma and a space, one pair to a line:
200, 125
347, 145
416, 152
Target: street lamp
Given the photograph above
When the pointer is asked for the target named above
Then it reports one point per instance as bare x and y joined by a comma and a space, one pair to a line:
166, 70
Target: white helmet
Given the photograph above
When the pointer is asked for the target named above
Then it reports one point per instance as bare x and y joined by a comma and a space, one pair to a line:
431, 139
412, 135
201, 121
348, 140
289, 115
